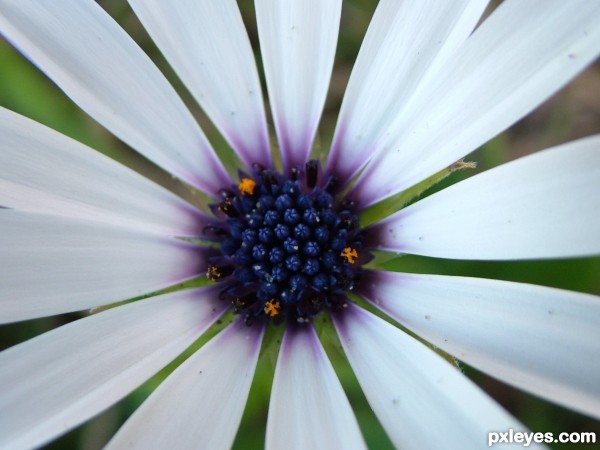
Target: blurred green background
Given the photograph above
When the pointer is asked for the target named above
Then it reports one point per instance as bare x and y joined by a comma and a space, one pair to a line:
574, 112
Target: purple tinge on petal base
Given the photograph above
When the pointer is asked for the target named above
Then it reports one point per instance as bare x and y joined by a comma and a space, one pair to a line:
299, 335
207, 45
237, 328
317, 417
340, 318
384, 235
294, 145
532, 48
365, 192
259, 153
195, 260
343, 167
219, 178
336, 163
370, 285
298, 41
197, 220
52, 264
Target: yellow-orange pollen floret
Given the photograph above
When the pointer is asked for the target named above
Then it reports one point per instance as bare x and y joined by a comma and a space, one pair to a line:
272, 308
247, 186
349, 254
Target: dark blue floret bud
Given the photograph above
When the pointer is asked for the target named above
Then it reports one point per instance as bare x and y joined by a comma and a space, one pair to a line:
311, 267
290, 188
297, 283
265, 235
281, 231
276, 255
283, 202
329, 217
291, 216
291, 245
280, 274
302, 231
242, 257
229, 246
324, 200
322, 235
304, 202
259, 252
256, 219
265, 202
311, 248
329, 260
249, 236
311, 216
320, 282
293, 263
271, 218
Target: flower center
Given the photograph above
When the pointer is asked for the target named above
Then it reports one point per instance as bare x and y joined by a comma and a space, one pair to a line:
289, 247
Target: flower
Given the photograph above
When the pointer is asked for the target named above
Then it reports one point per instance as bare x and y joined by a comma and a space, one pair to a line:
81, 231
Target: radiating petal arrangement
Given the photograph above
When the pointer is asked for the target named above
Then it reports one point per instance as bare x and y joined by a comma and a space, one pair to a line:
521, 55
46, 172
298, 42
537, 338
108, 75
432, 82
94, 362
322, 408
406, 44
53, 265
544, 206
215, 61
413, 391
220, 374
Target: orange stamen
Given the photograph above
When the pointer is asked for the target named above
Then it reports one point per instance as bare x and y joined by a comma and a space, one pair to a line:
247, 186
272, 308
349, 254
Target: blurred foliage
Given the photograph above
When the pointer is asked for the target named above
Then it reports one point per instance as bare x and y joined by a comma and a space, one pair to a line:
572, 113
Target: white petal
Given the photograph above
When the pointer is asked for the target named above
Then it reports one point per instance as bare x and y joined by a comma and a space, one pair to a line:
44, 171
542, 340
297, 39
421, 400
52, 265
98, 65
540, 206
515, 60
60, 379
206, 43
308, 407
407, 43
200, 405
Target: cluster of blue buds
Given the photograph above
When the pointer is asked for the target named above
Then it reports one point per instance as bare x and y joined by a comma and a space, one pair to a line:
289, 247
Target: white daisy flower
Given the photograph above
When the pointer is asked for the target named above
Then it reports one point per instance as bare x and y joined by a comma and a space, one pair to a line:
288, 244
